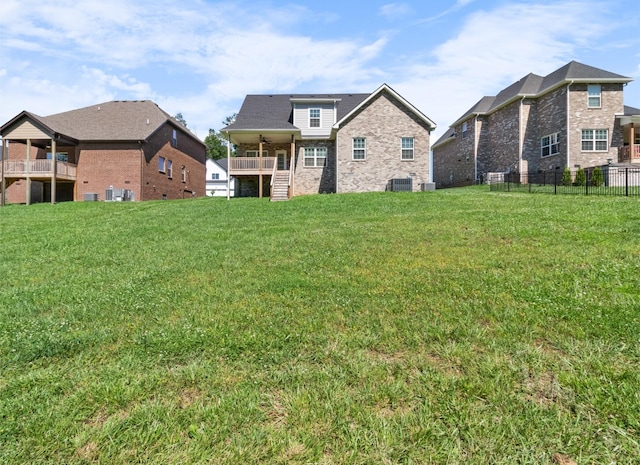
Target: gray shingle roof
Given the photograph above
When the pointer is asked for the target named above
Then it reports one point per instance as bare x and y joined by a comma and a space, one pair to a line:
116, 120
275, 112
631, 111
533, 85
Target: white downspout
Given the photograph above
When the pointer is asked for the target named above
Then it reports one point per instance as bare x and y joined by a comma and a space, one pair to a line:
476, 139
520, 136
228, 166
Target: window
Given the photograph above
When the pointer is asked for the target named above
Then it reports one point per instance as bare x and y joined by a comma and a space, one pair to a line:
465, 130
407, 148
314, 117
174, 139
595, 140
254, 153
359, 148
183, 173
215, 176
60, 156
549, 145
169, 168
595, 95
315, 156
161, 164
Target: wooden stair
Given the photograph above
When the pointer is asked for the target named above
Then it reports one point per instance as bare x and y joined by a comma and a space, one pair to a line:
280, 187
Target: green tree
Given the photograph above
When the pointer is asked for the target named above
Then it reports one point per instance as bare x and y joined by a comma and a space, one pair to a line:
566, 176
596, 177
181, 119
216, 145
581, 177
216, 142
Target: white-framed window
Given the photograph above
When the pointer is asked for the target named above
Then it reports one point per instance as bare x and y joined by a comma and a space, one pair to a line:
315, 156
407, 148
161, 164
465, 130
314, 117
595, 140
215, 176
359, 148
183, 173
254, 153
594, 100
549, 145
174, 139
169, 169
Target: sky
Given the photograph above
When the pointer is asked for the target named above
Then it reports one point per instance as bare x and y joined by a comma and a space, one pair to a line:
200, 58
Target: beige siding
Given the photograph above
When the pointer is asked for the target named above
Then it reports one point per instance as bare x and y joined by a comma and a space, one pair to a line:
26, 131
301, 119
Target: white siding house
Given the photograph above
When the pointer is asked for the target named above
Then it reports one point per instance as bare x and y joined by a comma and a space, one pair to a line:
217, 179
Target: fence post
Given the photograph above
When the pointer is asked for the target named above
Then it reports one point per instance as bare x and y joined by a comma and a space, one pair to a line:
586, 182
626, 182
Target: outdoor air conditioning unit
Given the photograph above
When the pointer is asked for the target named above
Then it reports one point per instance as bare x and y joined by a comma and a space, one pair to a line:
428, 186
108, 195
402, 185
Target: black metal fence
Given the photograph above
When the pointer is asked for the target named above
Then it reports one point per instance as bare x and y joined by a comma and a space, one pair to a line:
608, 180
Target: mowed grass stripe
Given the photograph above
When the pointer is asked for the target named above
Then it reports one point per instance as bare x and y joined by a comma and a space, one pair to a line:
460, 326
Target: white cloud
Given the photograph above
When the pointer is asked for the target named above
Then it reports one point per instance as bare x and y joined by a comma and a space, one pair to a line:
394, 11
496, 48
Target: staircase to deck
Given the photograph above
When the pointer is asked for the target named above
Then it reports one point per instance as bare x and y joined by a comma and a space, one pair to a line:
280, 187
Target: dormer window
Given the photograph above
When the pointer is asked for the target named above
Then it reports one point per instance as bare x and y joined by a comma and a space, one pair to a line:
314, 117
595, 95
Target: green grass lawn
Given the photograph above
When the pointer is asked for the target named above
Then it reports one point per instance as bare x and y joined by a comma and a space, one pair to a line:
455, 327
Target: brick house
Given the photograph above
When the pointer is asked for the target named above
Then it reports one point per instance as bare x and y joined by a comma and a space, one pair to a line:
291, 145
574, 117
133, 149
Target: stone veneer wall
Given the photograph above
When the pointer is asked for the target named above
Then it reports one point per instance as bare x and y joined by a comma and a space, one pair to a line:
454, 162
583, 117
311, 179
502, 149
383, 122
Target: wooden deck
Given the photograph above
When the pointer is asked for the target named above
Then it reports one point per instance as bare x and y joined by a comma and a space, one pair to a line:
36, 169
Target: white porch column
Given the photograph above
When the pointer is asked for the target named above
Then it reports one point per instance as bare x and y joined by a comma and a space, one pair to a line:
260, 168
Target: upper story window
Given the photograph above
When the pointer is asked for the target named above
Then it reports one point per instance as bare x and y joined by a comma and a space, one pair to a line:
315, 156
407, 148
549, 145
314, 117
595, 140
215, 176
169, 168
183, 173
465, 130
174, 139
595, 95
359, 148
161, 164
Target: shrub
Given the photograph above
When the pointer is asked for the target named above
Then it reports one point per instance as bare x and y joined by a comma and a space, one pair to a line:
596, 177
581, 178
566, 176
